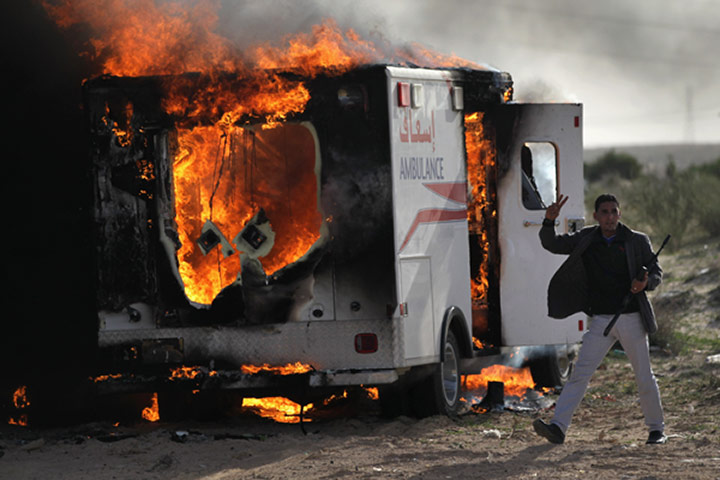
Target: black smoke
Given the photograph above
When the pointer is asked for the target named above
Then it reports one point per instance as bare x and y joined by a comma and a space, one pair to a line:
48, 323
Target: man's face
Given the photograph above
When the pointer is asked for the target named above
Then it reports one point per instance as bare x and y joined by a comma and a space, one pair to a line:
607, 216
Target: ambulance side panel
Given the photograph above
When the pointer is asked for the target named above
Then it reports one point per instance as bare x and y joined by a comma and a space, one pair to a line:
429, 188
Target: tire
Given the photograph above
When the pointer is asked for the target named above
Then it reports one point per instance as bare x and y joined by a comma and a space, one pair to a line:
440, 393
552, 368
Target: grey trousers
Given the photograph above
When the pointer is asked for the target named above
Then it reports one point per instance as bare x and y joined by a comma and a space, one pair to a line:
632, 336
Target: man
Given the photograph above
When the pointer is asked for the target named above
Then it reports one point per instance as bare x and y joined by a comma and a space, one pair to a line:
601, 269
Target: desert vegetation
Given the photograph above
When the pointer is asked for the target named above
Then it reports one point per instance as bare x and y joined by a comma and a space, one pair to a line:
684, 203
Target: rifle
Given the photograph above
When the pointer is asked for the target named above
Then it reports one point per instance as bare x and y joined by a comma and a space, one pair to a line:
640, 276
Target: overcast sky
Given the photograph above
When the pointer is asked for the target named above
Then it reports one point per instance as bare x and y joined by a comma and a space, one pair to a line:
647, 71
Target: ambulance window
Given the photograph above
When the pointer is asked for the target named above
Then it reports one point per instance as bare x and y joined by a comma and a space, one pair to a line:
539, 174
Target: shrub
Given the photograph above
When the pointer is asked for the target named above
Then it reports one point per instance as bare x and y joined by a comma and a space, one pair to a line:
678, 204
705, 190
711, 168
611, 163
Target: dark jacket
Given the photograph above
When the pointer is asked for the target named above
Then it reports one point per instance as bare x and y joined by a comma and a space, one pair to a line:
568, 288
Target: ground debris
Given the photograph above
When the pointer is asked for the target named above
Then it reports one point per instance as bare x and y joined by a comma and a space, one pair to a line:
33, 445
713, 358
163, 463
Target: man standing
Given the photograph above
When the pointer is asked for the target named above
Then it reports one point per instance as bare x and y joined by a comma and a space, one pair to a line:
600, 271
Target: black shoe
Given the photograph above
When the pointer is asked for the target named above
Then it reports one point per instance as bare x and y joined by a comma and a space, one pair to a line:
656, 437
550, 431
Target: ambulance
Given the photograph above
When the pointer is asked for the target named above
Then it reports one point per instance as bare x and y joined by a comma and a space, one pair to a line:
384, 236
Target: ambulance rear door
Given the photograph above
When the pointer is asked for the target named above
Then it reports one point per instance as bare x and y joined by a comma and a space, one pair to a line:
541, 158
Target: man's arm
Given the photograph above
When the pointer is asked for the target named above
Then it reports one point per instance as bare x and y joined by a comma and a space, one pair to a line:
552, 242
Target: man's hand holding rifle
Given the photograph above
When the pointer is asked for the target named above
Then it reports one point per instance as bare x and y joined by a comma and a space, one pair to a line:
638, 285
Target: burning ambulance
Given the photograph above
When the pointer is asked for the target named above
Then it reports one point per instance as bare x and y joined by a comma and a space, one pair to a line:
384, 234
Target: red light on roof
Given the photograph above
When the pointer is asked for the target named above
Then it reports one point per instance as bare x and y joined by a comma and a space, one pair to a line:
577, 122
403, 89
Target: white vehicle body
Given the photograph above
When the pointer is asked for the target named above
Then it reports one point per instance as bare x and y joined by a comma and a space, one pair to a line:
407, 310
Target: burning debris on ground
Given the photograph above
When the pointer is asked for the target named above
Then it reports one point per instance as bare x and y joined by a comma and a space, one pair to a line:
496, 388
21, 403
197, 392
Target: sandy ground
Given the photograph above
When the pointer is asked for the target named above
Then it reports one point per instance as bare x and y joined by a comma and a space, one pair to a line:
607, 439
351, 440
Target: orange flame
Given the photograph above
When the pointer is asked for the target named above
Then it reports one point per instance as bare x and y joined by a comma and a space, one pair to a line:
516, 380
20, 399
145, 37
104, 378
169, 39
21, 420
152, 413
21, 402
283, 410
225, 175
124, 136
184, 373
373, 393
279, 409
480, 162
289, 369
133, 38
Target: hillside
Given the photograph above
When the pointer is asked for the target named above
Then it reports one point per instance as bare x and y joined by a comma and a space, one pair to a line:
656, 157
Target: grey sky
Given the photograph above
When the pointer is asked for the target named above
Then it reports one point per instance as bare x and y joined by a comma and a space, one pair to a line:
647, 71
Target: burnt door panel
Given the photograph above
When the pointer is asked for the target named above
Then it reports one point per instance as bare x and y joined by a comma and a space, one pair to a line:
540, 157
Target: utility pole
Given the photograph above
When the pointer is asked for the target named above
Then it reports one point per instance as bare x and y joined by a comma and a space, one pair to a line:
689, 123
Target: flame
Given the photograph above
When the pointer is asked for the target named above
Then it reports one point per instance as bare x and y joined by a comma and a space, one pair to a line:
152, 413
21, 420
333, 398
104, 378
289, 369
146, 37
516, 381
372, 392
20, 401
284, 410
225, 174
184, 373
508, 95
279, 409
221, 170
136, 37
124, 136
480, 162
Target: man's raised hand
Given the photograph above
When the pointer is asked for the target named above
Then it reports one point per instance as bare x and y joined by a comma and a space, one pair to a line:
553, 211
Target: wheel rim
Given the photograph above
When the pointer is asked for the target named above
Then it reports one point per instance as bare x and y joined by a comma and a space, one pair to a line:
450, 375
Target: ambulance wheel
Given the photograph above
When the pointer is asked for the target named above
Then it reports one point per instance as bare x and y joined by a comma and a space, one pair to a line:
440, 393
552, 368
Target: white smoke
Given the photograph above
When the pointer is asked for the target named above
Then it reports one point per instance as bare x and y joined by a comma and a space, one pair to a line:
630, 63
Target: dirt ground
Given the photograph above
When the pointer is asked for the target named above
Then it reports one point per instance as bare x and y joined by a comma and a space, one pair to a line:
606, 440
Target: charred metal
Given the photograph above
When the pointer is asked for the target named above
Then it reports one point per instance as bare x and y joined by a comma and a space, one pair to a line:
135, 216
